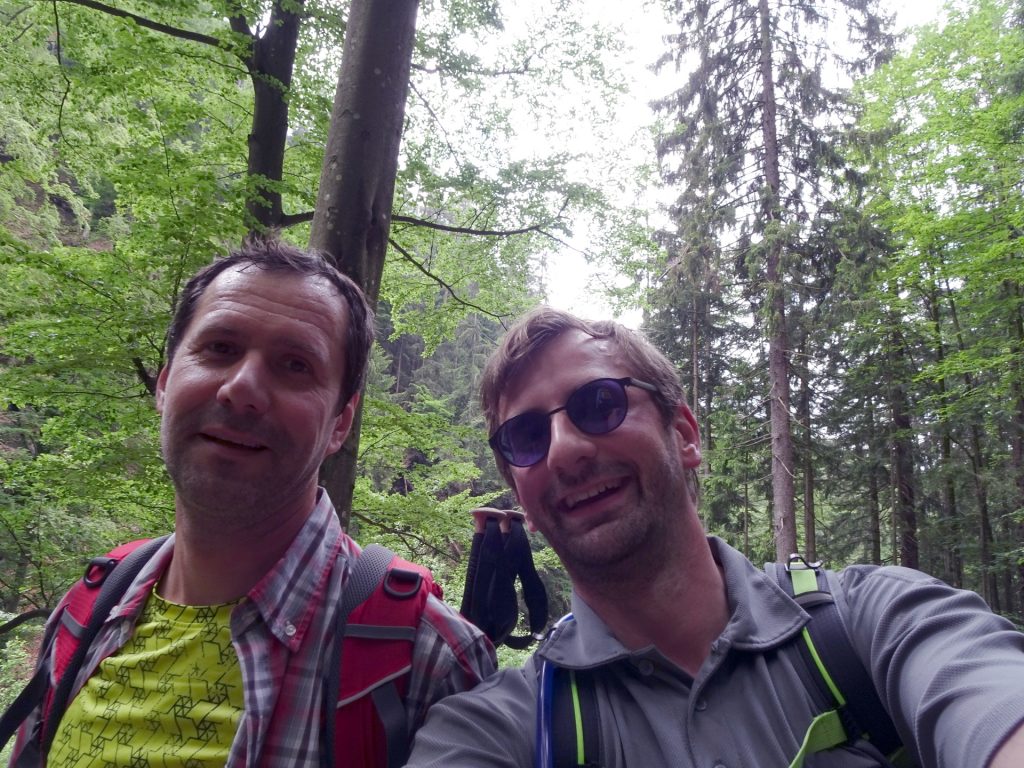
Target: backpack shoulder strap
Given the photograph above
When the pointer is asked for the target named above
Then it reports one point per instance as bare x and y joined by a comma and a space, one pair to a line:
568, 720
375, 630
500, 553
827, 651
82, 612
101, 588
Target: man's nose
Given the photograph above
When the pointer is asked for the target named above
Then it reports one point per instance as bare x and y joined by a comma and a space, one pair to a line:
569, 444
245, 386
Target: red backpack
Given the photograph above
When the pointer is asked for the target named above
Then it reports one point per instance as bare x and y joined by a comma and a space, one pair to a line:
379, 615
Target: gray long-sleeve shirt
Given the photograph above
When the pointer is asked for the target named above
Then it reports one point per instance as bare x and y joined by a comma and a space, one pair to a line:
949, 671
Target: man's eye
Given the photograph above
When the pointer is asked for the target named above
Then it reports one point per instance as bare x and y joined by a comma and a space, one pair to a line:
297, 365
220, 348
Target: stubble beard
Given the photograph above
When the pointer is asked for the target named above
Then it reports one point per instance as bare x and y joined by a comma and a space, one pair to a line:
640, 539
216, 497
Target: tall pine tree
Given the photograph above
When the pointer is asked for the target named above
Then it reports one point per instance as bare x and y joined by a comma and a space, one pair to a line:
752, 152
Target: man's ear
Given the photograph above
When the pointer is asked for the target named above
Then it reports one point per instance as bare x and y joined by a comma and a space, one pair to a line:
684, 425
342, 425
161, 389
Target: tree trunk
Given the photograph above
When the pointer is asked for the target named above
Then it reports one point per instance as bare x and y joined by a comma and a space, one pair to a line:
1017, 437
804, 416
784, 513
271, 66
357, 183
952, 565
979, 464
874, 502
901, 445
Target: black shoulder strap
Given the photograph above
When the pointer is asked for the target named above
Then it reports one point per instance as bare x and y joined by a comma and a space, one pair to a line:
490, 601
368, 572
520, 556
499, 554
568, 720
30, 697
114, 585
575, 724
858, 703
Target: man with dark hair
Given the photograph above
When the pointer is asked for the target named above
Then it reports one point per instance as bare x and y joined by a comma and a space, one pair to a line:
691, 655
218, 652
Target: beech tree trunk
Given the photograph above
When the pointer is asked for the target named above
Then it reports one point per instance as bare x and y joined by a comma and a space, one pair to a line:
357, 183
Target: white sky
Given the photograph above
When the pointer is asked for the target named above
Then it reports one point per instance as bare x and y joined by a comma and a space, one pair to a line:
572, 283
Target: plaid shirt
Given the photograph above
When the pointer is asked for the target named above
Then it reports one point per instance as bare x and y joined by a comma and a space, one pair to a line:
280, 634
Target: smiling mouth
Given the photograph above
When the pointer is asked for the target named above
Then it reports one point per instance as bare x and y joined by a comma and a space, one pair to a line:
591, 494
250, 446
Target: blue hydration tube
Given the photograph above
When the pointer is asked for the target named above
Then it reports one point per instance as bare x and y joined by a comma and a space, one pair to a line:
545, 756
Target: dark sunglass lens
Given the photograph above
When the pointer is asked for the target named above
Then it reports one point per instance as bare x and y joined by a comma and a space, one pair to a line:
524, 440
598, 407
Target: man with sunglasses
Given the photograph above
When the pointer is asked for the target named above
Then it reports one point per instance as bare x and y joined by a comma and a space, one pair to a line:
689, 648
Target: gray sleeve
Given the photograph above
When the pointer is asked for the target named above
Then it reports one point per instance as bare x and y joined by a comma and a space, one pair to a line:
491, 726
450, 655
949, 671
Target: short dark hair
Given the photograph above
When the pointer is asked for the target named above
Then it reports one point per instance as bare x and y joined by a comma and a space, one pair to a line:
532, 334
272, 255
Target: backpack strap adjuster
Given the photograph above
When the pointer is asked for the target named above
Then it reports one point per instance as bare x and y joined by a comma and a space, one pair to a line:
411, 578
97, 570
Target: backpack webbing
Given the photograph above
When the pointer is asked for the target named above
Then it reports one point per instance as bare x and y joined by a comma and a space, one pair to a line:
371, 569
499, 554
567, 714
112, 583
828, 653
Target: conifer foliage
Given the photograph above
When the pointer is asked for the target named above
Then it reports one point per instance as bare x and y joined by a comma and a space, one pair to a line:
751, 148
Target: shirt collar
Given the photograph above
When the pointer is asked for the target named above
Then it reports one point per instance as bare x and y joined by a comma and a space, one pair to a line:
289, 594
762, 616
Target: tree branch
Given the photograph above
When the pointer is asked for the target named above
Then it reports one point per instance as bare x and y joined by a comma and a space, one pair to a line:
468, 230
451, 291
147, 379
291, 219
405, 535
35, 613
156, 26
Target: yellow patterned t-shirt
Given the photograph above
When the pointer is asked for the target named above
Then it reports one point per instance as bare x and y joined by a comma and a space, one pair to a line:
172, 696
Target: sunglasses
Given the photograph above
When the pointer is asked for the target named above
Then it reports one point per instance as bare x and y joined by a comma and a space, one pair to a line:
596, 408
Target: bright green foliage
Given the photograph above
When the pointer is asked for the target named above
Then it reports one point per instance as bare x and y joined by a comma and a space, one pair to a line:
946, 186
123, 167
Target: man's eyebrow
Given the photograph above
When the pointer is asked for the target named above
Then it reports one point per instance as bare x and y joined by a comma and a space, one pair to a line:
284, 341
216, 329
301, 345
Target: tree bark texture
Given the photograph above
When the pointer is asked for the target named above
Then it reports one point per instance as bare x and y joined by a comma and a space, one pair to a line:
784, 515
904, 501
357, 182
270, 66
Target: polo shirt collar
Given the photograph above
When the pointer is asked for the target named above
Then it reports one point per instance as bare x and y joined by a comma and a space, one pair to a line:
762, 616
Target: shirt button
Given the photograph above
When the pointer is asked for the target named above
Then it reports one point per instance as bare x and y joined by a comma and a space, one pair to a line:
701, 705
289, 629
645, 667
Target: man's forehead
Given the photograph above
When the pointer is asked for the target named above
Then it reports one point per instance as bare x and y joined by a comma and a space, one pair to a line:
298, 306
574, 348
